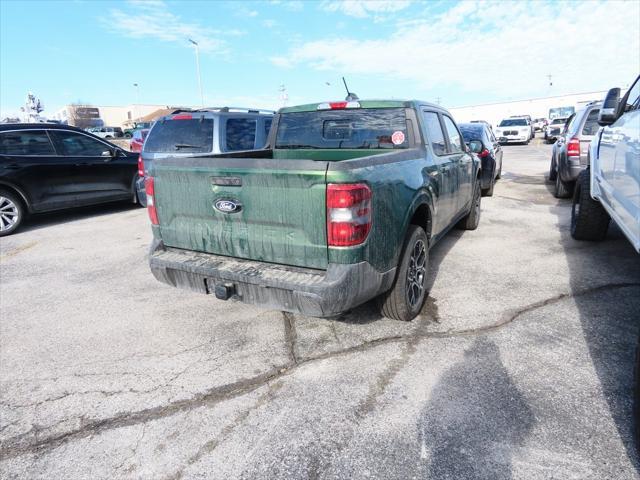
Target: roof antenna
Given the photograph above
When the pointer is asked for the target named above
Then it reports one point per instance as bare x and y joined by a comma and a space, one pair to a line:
350, 95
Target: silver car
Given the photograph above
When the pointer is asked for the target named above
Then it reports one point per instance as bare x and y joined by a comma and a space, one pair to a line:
610, 186
569, 154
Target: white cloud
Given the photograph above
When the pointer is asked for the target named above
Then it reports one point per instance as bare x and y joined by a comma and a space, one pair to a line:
363, 8
153, 19
293, 5
269, 23
483, 47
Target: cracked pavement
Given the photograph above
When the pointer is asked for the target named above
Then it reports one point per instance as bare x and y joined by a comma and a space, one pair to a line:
520, 365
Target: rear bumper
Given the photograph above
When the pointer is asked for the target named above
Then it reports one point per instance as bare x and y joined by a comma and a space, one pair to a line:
317, 293
569, 171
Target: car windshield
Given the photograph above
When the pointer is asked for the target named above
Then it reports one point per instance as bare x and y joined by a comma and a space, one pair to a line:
183, 135
513, 122
332, 129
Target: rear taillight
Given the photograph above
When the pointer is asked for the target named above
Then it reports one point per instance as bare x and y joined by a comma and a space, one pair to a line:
348, 214
484, 153
140, 166
573, 147
151, 201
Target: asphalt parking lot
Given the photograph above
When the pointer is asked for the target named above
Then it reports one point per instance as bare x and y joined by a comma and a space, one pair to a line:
520, 365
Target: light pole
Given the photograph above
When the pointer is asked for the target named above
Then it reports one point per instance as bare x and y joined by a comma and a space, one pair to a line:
198, 69
137, 100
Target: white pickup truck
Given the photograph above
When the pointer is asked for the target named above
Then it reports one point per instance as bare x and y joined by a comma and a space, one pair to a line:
610, 186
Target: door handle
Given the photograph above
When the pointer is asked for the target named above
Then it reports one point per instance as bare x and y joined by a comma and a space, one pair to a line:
83, 164
12, 166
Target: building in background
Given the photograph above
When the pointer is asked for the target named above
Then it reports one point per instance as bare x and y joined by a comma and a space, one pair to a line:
85, 116
547, 107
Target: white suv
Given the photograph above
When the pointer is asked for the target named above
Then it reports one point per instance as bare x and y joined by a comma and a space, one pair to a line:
610, 187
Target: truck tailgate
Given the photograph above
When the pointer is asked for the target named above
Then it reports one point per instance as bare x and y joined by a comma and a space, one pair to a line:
281, 213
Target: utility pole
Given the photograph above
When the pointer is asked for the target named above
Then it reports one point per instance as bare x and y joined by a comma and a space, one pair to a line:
137, 100
438, 99
198, 70
550, 77
284, 96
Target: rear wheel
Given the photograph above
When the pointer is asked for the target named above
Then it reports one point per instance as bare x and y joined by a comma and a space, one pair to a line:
472, 219
499, 175
552, 171
488, 192
561, 189
12, 212
589, 220
406, 298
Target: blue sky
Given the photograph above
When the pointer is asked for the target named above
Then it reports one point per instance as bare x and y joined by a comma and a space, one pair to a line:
460, 52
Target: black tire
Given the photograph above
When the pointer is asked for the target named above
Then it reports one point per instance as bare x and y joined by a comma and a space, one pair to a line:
499, 175
589, 220
472, 219
398, 303
488, 192
562, 189
12, 212
552, 171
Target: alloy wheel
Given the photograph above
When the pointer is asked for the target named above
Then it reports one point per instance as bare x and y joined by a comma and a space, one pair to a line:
416, 273
9, 214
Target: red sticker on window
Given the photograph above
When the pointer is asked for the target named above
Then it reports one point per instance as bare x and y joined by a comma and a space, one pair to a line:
397, 138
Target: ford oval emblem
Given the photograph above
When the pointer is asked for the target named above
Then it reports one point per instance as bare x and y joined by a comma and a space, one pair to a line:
226, 205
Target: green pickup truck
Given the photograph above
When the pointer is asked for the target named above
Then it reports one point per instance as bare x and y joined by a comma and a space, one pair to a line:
342, 206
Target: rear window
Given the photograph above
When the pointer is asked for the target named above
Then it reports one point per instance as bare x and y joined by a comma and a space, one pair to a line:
591, 123
25, 143
241, 133
181, 136
383, 128
471, 132
513, 122
558, 121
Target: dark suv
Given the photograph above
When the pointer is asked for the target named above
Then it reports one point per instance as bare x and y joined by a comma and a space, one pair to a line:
201, 132
46, 167
570, 153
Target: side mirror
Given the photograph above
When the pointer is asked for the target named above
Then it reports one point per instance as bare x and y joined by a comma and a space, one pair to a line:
475, 146
609, 111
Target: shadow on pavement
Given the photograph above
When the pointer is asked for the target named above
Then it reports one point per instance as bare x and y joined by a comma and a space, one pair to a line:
610, 318
370, 312
43, 220
475, 418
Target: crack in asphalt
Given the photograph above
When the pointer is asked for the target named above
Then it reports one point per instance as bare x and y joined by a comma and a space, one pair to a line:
20, 445
290, 335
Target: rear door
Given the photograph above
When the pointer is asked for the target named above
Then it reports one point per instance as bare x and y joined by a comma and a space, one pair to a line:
30, 162
447, 178
463, 163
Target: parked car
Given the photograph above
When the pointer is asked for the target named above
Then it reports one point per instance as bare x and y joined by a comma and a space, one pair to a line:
539, 124
483, 121
569, 154
128, 132
108, 132
514, 130
342, 206
490, 154
45, 167
208, 131
529, 122
137, 140
609, 188
554, 129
